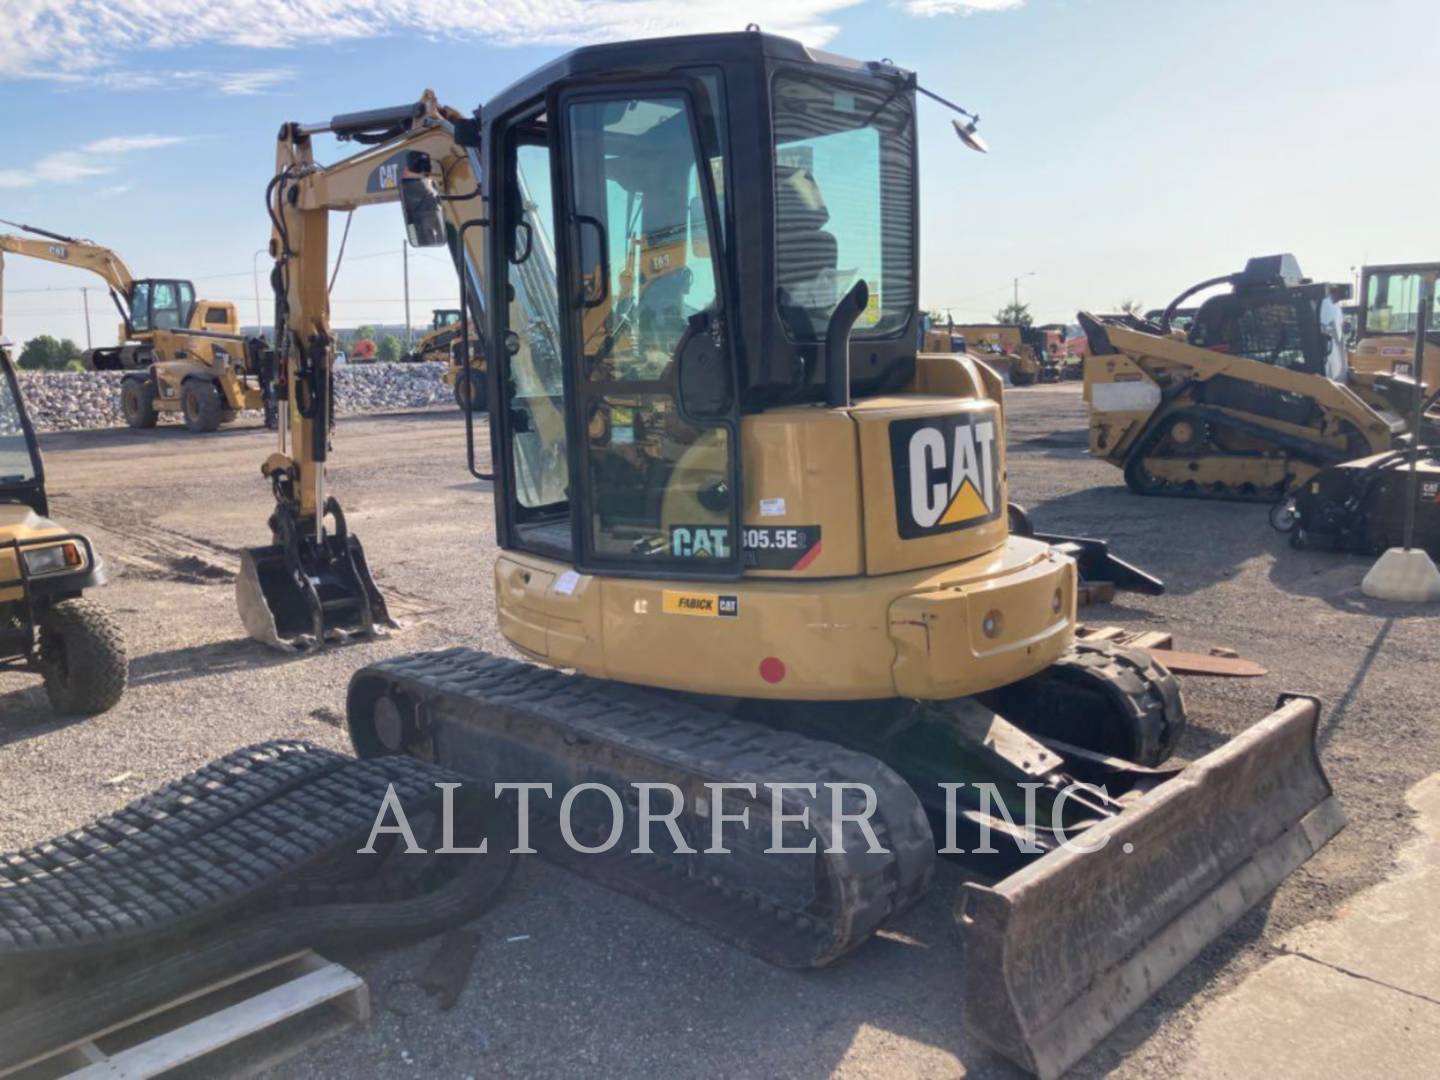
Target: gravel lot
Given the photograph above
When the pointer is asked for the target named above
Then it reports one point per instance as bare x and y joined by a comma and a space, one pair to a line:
602, 983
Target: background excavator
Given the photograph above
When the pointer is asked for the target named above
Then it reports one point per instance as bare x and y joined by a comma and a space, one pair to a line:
440, 343
1238, 405
770, 539
1386, 324
180, 355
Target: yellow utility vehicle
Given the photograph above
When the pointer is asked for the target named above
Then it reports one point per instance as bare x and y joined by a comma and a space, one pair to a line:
180, 355
47, 623
771, 538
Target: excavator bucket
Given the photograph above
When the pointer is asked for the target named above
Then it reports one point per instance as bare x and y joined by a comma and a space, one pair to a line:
300, 592
1062, 951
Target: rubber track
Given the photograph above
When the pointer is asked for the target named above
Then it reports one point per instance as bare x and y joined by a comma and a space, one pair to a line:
1133, 682
1297, 449
231, 840
480, 708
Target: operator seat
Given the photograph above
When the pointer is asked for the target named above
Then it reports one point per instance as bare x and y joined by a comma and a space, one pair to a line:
808, 256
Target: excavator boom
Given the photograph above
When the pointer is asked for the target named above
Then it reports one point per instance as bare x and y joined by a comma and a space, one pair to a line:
312, 582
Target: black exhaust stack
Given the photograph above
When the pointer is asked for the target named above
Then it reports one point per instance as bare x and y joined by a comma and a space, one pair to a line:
837, 344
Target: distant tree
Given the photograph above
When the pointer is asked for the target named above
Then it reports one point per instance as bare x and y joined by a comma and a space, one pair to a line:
1131, 307
390, 349
44, 353
1016, 314
364, 332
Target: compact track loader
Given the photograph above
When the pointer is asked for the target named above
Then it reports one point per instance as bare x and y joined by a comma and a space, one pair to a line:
180, 355
770, 541
1238, 405
47, 624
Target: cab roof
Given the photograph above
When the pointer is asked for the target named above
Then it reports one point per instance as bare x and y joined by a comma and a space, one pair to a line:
660, 56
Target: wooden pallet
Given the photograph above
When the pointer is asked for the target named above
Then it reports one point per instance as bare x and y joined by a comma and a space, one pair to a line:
259, 1017
1217, 663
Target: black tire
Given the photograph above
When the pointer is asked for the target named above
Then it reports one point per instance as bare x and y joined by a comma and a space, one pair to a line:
82, 658
201, 405
471, 391
137, 402
1021, 378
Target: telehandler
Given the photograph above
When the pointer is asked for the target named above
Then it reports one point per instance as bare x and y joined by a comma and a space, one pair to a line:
47, 623
1238, 404
440, 344
180, 355
770, 539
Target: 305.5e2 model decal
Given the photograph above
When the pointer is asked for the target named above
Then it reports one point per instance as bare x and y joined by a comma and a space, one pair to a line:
947, 473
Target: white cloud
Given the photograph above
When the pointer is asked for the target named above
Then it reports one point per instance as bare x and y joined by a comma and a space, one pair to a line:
74, 39
124, 144
927, 9
92, 159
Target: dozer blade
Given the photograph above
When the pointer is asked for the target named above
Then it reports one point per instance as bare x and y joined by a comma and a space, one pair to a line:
295, 596
1061, 952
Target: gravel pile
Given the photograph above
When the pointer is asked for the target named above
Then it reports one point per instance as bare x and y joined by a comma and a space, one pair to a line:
72, 400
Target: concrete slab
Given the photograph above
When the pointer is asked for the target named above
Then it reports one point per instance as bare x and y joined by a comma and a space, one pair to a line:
1390, 933
1357, 996
1298, 1019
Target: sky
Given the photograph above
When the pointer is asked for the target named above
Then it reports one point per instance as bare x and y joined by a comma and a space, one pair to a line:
1137, 146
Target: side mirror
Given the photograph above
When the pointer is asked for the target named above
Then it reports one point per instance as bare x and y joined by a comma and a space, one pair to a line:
419, 203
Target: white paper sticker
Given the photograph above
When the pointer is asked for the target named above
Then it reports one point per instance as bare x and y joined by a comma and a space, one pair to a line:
565, 584
772, 507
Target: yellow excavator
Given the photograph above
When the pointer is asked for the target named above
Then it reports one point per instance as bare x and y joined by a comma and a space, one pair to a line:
1238, 404
440, 343
179, 354
1386, 324
770, 539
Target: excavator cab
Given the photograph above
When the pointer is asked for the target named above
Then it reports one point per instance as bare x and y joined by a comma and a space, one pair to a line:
625, 292
160, 304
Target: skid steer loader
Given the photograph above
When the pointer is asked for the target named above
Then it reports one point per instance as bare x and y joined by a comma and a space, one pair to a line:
772, 543
47, 624
1237, 405
441, 343
180, 355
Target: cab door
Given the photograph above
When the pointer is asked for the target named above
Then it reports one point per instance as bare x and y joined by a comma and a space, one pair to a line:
650, 370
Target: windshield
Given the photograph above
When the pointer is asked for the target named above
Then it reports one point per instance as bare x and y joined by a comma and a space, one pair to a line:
17, 464
844, 204
1392, 301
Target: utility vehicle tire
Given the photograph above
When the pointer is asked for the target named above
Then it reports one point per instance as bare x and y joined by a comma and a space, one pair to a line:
137, 402
471, 391
201, 406
82, 658
1021, 378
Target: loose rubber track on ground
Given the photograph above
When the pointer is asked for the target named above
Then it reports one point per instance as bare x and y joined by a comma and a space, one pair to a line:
240, 832
500, 719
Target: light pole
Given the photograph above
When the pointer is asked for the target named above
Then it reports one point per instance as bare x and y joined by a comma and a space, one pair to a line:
1018, 277
85, 298
255, 270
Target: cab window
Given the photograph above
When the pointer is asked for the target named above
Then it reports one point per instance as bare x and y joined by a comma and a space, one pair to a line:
1392, 304
17, 465
844, 204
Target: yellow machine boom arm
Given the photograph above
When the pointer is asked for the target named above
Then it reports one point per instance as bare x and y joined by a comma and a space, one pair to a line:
67, 251
287, 608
